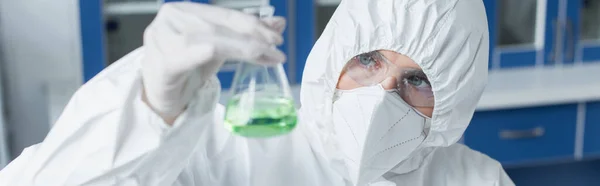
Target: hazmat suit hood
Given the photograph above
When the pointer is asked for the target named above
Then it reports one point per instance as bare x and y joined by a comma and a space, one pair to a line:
448, 39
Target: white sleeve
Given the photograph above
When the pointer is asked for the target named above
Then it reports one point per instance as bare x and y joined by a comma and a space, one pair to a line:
107, 136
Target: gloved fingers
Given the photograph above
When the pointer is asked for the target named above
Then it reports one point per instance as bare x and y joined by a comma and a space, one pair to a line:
166, 49
247, 49
271, 57
201, 55
271, 32
275, 23
206, 49
221, 47
190, 13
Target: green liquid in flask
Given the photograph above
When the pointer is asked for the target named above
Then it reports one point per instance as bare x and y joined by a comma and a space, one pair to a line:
269, 117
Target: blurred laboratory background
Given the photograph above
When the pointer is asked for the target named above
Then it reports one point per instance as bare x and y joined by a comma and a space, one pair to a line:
539, 116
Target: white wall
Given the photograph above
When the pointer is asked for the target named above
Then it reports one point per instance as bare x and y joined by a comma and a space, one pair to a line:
4, 156
40, 52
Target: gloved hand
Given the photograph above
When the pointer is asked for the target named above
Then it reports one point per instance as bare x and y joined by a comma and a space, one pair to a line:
187, 43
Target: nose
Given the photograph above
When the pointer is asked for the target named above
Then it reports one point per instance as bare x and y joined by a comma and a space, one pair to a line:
389, 83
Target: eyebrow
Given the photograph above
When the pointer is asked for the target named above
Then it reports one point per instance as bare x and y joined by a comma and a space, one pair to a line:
414, 71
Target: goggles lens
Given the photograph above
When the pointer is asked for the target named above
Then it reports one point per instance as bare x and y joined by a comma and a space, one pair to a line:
372, 68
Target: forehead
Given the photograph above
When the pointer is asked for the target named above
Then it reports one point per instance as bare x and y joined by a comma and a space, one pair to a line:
399, 60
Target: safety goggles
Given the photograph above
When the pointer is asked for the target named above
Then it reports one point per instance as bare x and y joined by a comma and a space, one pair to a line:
372, 68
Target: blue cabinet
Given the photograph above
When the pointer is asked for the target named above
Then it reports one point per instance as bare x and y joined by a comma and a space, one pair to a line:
582, 36
521, 32
526, 33
92, 38
583, 173
524, 135
591, 143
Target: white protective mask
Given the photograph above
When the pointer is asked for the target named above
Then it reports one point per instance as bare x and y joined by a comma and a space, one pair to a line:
375, 130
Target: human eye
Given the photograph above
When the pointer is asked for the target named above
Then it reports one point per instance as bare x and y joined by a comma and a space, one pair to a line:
417, 79
370, 60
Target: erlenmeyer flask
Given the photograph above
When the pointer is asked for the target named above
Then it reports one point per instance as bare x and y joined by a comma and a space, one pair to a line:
261, 103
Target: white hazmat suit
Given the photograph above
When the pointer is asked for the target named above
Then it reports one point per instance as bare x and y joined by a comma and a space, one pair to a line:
108, 135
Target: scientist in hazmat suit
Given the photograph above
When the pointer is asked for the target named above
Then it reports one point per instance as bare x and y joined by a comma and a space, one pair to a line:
388, 90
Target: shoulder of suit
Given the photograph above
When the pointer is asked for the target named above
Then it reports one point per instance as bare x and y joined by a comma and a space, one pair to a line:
116, 79
461, 159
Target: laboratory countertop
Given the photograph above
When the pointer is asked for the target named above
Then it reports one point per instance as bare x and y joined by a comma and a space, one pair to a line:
515, 88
